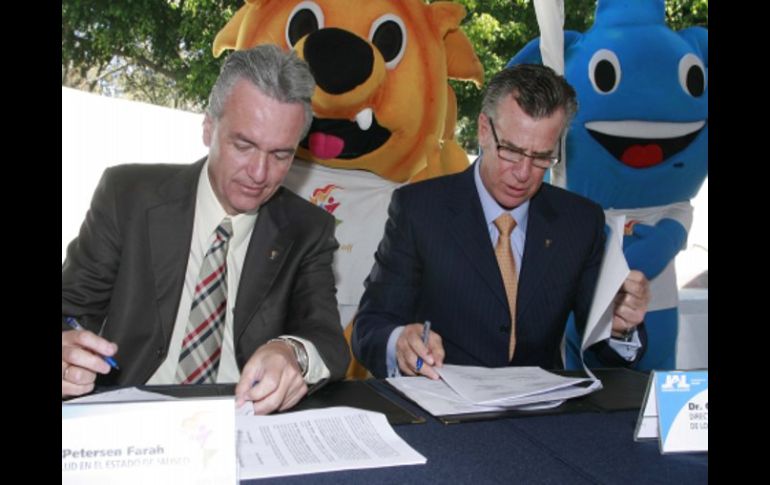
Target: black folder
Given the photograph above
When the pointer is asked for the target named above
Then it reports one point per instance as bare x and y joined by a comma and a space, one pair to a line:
357, 394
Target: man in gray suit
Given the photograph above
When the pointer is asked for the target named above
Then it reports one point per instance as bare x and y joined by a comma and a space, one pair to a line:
143, 276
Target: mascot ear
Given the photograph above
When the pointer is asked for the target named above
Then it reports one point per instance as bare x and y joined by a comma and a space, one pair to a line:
461, 59
231, 35
698, 37
446, 16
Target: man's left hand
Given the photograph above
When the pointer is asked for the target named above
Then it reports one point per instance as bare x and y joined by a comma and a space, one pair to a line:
271, 379
631, 304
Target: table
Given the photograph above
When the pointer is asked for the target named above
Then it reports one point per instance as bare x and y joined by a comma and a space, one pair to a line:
575, 448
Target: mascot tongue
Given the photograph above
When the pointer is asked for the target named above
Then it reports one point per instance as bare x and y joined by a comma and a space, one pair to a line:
638, 156
325, 146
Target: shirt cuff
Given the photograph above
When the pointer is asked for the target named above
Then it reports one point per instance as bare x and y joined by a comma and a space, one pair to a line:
390, 357
316, 368
627, 348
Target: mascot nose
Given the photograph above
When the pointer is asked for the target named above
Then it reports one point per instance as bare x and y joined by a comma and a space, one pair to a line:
340, 61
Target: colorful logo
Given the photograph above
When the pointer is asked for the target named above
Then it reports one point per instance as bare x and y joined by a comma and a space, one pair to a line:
322, 197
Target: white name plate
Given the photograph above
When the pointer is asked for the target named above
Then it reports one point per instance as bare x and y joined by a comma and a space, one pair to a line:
180, 441
675, 411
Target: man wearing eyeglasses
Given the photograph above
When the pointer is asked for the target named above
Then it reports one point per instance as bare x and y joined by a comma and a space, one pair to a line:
494, 258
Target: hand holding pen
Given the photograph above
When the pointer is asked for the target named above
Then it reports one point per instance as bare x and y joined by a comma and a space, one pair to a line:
84, 354
418, 339
425, 335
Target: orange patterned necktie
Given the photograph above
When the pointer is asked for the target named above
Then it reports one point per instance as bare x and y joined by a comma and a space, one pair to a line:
505, 224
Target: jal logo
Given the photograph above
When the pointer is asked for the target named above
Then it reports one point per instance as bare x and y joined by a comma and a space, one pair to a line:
676, 382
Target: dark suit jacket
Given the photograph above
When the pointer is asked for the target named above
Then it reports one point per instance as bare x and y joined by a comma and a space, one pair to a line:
436, 262
127, 269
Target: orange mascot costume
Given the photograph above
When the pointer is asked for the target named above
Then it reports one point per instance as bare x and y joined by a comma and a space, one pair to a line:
384, 114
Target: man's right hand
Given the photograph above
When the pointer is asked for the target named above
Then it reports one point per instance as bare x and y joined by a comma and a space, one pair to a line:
81, 360
409, 347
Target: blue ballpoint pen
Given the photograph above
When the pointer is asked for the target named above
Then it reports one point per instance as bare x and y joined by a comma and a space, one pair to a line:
425, 333
77, 326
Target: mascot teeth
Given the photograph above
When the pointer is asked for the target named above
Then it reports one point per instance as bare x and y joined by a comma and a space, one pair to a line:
648, 129
364, 119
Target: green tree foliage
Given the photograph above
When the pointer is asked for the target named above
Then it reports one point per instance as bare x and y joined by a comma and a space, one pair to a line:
151, 50
159, 51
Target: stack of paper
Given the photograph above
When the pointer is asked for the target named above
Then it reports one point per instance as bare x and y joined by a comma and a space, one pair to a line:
465, 389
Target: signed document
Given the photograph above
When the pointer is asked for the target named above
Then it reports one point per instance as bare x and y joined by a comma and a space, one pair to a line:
474, 390
319, 440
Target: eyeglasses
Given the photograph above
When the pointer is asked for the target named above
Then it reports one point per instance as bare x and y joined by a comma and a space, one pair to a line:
514, 155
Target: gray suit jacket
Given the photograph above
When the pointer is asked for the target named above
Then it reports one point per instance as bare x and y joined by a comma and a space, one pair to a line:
125, 271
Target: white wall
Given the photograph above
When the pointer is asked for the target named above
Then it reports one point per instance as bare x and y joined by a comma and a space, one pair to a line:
99, 131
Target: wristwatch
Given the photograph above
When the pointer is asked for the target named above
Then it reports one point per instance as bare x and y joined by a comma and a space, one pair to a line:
299, 352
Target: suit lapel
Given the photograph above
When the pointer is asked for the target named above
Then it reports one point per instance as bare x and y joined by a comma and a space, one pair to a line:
538, 254
469, 231
170, 226
268, 250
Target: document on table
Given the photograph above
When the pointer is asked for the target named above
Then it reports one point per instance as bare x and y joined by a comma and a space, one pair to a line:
319, 440
509, 386
439, 399
471, 390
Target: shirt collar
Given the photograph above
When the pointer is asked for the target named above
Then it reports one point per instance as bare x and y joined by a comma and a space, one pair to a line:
492, 209
211, 212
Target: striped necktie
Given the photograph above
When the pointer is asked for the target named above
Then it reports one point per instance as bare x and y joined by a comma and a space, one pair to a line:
202, 344
505, 224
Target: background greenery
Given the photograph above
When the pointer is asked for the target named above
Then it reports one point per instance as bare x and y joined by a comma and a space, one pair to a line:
159, 51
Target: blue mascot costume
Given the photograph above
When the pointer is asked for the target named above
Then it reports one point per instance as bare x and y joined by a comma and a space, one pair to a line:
639, 144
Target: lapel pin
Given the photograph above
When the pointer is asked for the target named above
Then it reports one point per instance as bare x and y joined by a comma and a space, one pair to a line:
273, 254
547, 243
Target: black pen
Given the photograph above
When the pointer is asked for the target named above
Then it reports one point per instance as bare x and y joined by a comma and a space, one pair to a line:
77, 326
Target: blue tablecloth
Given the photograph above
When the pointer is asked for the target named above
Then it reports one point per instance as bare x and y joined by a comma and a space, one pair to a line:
573, 448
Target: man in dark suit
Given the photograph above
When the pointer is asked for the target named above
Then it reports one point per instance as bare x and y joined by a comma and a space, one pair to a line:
211, 272
443, 259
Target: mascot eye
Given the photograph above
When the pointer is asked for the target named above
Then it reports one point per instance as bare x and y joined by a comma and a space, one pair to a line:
389, 35
306, 18
692, 75
604, 71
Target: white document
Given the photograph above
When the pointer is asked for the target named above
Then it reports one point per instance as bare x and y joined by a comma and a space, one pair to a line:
439, 399
471, 390
319, 440
613, 272
497, 386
